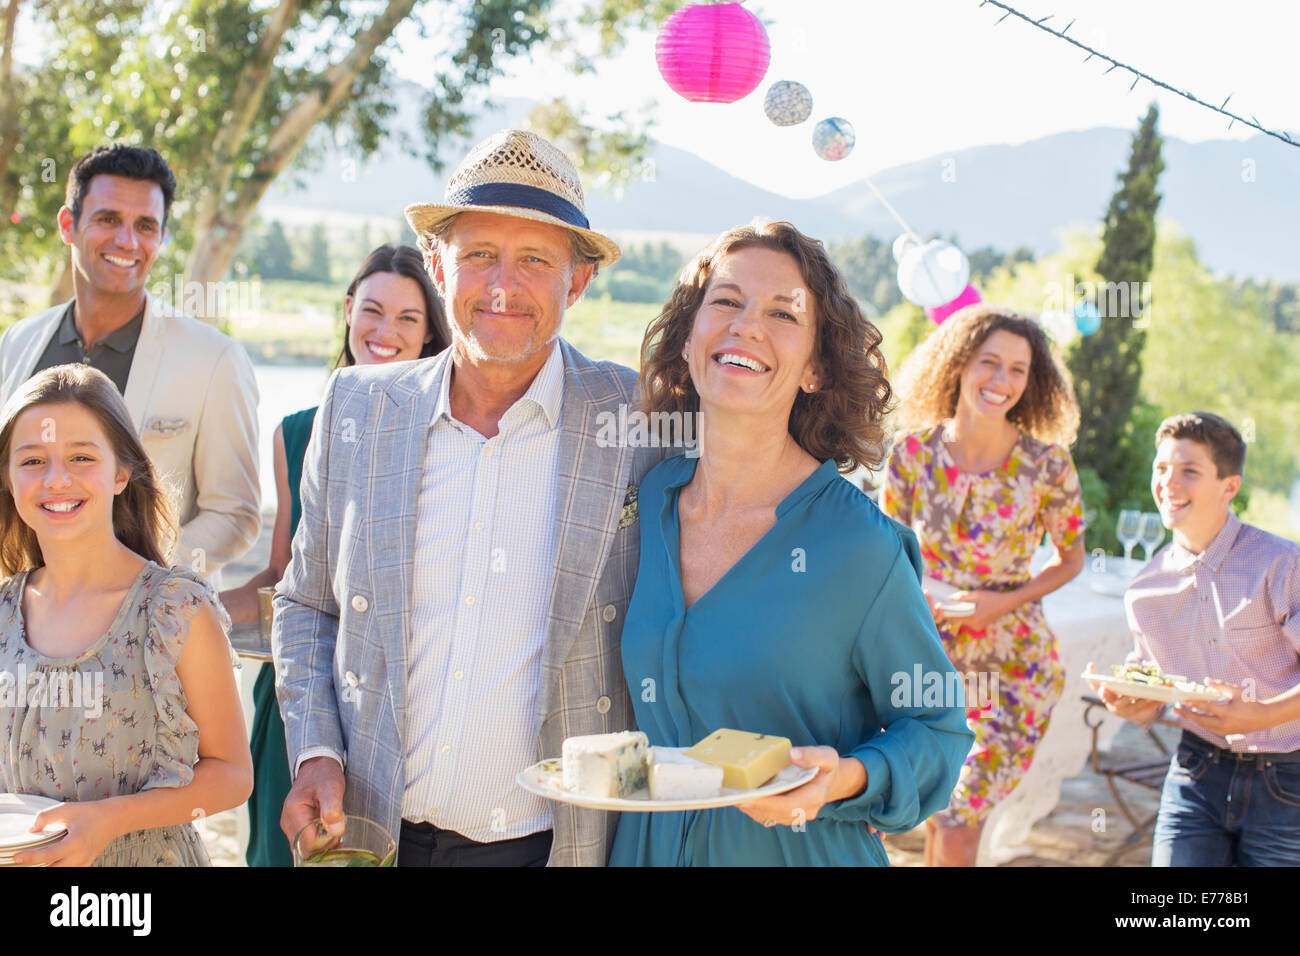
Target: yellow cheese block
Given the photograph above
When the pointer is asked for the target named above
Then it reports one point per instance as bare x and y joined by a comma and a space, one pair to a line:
747, 760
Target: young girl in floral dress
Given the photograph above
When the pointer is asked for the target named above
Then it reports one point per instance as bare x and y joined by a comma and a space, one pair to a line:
980, 470
155, 739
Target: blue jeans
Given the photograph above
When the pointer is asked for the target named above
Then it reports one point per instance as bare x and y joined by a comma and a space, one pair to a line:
1218, 811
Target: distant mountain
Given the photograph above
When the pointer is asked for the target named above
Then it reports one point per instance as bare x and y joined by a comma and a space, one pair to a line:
1238, 200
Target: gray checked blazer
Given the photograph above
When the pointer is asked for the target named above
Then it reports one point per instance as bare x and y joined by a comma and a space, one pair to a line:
343, 608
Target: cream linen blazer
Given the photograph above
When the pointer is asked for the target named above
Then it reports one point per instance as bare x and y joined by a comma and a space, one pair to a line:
193, 399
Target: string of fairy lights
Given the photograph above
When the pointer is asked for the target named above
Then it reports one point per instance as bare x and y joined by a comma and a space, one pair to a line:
1138, 75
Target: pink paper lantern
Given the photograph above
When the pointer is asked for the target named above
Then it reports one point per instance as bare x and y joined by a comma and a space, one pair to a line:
969, 296
713, 53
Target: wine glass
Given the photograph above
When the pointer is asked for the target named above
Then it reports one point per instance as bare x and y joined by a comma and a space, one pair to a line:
1150, 533
1128, 530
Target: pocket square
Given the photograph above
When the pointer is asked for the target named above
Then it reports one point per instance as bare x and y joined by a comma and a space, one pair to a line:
630, 514
166, 427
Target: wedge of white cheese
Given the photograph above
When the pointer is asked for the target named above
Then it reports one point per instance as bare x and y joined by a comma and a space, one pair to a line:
675, 776
606, 765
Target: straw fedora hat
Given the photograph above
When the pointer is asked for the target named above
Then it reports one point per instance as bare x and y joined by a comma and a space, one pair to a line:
515, 173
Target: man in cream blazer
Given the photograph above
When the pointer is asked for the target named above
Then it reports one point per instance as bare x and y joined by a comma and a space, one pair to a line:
190, 389
193, 399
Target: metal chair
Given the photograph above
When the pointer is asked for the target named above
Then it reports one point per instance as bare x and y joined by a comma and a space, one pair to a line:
1149, 774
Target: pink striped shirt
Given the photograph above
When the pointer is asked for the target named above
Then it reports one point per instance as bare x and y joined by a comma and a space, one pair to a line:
1232, 613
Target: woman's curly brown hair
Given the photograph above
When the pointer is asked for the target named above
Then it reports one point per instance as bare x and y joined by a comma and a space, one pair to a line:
930, 378
841, 419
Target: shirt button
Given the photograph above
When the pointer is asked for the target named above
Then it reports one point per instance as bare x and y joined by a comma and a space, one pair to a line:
469, 599
351, 679
603, 705
459, 674
478, 525
360, 604
446, 748
487, 449
609, 613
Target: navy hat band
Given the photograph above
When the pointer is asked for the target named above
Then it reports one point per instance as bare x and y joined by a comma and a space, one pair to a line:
517, 194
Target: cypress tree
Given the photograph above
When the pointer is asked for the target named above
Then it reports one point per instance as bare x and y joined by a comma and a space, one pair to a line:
1107, 365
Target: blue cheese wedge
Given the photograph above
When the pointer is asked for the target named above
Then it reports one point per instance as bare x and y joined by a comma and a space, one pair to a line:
606, 765
675, 776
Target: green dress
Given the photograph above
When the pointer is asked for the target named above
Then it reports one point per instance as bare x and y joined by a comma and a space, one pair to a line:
271, 779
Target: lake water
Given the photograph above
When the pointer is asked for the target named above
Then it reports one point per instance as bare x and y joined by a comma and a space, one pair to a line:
282, 389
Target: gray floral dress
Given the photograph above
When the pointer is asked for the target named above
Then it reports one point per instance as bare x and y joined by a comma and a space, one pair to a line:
112, 720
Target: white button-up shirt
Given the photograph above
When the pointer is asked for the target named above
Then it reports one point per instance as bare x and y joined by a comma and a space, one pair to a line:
485, 551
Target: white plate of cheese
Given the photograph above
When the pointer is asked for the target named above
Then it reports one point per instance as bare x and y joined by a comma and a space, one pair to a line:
546, 778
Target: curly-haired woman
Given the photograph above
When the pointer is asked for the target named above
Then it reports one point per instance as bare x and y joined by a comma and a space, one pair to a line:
773, 596
979, 471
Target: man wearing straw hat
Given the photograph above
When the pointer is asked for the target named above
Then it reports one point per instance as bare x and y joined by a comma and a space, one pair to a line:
454, 604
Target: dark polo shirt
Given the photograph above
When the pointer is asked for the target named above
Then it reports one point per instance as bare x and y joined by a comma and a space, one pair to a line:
112, 355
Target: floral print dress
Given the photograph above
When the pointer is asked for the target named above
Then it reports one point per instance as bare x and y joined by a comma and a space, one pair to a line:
112, 720
979, 531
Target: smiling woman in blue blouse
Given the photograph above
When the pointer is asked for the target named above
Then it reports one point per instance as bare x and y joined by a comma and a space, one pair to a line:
773, 596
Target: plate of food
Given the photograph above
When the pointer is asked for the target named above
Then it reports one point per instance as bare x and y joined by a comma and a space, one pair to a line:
942, 592
623, 772
1145, 680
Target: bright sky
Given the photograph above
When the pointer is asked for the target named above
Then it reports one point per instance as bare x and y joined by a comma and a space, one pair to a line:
919, 78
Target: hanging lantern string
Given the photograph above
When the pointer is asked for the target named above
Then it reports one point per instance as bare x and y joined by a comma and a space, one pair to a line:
1137, 74
892, 211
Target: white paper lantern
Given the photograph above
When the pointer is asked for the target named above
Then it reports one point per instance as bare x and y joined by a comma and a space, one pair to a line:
788, 103
903, 243
933, 274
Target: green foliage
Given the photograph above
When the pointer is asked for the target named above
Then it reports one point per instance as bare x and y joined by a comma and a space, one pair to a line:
603, 329
179, 75
1220, 351
662, 261
316, 264
646, 274
622, 285
1107, 366
274, 257
904, 327
869, 269
872, 274
1280, 301
1130, 489
986, 259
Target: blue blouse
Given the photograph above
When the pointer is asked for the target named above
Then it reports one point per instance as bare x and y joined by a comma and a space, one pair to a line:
804, 637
